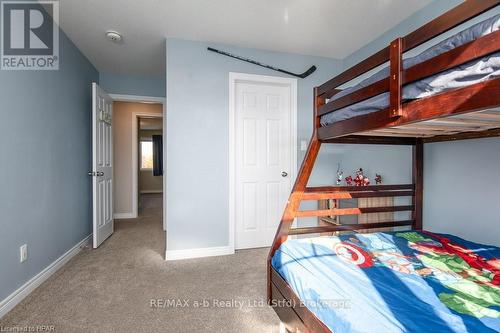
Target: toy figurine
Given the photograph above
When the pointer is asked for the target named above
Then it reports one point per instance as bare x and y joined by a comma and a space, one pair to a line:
378, 179
348, 180
366, 181
340, 175
359, 177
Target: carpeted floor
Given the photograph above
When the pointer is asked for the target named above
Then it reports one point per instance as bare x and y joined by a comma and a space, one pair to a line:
126, 286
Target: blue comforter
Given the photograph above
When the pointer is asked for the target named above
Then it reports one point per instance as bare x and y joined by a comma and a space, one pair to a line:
467, 74
395, 282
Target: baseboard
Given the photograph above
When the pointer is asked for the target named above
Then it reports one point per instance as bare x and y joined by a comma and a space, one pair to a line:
17, 296
151, 191
122, 216
198, 253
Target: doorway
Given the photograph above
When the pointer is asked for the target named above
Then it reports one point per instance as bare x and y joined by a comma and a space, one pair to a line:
135, 122
150, 163
263, 155
120, 124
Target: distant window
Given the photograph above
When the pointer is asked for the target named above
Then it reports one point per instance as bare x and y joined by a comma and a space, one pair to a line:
146, 155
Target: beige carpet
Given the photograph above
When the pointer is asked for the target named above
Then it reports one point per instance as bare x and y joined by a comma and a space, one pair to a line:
111, 289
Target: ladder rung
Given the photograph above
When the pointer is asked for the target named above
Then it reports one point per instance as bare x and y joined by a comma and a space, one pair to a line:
350, 195
348, 227
351, 211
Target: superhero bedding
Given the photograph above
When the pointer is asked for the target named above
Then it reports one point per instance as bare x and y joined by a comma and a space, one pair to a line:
395, 282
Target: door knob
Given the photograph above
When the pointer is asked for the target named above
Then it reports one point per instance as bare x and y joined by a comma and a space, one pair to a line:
91, 173
284, 174
100, 173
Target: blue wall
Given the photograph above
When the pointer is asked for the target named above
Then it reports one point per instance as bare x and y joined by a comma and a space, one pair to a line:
133, 85
461, 179
45, 193
429, 12
197, 126
462, 189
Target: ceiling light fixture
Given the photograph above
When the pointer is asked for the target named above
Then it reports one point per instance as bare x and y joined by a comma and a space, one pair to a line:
114, 37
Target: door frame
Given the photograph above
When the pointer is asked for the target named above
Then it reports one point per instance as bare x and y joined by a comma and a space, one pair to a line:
234, 78
135, 146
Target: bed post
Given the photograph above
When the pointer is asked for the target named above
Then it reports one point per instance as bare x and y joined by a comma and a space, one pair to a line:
418, 182
395, 81
299, 187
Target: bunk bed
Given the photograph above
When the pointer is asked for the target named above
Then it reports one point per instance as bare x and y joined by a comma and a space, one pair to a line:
450, 91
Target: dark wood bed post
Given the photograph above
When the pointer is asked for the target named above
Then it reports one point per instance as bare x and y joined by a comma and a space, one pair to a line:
395, 82
418, 181
299, 187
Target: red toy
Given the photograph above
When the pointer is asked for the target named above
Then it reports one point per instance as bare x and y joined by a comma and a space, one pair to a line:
360, 178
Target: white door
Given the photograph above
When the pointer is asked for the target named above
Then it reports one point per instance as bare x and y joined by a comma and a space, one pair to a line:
102, 165
263, 160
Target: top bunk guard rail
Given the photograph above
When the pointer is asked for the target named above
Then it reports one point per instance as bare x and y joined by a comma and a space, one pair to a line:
447, 21
399, 77
457, 56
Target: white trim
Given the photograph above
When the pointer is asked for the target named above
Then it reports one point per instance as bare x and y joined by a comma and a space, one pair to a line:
134, 98
123, 216
165, 138
198, 253
233, 79
17, 296
151, 191
149, 99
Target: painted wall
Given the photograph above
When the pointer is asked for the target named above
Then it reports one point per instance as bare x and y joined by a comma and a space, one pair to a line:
462, 189
461, 179
123, 114
148, 183
431, 11
133, 85
197, 126
45, 192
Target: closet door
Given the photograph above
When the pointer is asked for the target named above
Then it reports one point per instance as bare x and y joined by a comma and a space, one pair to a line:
263, 160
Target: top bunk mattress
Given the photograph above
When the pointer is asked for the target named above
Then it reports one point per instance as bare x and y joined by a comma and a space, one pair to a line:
473, 72
395, 282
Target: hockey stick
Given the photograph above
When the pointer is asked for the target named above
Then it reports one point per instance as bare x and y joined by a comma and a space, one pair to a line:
302, 76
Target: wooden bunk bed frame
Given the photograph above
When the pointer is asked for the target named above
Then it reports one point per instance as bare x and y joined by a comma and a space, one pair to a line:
464, 113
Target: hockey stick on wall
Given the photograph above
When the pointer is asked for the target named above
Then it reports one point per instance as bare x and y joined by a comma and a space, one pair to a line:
302, 76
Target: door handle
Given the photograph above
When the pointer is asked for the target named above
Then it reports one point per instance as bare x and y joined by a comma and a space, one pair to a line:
284, 174
99, 173
91, 173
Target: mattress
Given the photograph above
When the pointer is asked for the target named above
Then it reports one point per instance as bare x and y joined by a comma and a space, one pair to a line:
473, 72
395, 282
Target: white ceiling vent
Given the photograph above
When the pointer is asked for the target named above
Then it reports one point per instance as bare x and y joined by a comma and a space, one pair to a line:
114, 37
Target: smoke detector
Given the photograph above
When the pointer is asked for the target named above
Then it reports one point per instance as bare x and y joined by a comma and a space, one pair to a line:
114, 37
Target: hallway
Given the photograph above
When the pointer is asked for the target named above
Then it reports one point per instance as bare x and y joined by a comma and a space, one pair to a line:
111, 289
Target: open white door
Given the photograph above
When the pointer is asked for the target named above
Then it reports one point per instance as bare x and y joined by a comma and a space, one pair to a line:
102, 165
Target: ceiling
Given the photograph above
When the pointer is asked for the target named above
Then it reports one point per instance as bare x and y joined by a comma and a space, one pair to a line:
330, 28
